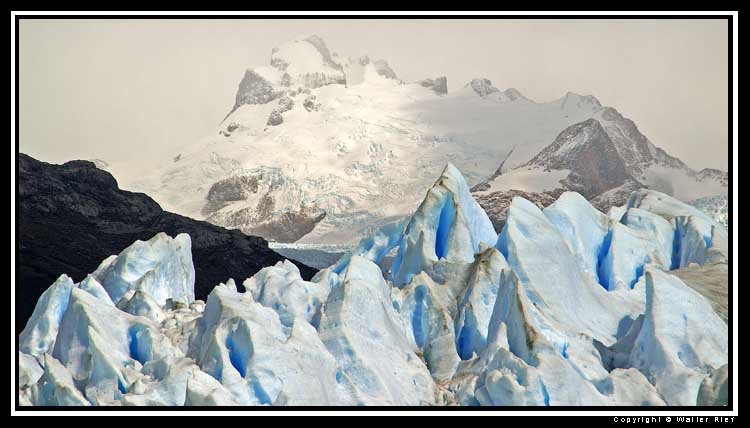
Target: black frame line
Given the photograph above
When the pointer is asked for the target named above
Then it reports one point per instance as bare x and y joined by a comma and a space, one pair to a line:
730, 406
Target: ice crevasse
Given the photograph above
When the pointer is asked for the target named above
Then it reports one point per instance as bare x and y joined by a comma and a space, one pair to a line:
564, 306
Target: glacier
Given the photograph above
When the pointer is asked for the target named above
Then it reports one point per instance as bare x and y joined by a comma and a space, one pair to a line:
565, 306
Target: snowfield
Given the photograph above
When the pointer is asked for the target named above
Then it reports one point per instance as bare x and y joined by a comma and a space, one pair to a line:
565, 306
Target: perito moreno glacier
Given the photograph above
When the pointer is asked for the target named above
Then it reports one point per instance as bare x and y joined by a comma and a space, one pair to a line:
566, 306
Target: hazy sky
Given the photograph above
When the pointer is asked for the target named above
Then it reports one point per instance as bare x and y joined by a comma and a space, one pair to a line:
129, 90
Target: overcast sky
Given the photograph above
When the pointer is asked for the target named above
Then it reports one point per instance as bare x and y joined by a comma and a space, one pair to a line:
127, 90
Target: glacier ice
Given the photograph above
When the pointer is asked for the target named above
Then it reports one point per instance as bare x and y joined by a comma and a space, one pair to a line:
361, 329
681, 339
161, 266
41, 330
565, 306
55, 387
282, 288
260, 361
448, 226
585, 229
476, 302
423, 308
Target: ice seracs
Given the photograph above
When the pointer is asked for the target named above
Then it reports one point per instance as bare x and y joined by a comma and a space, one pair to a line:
40, 333
565, 306
449, 225
377, 352
161, 266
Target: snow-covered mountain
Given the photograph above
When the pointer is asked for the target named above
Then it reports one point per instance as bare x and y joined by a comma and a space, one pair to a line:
604, 158
321, 148
566, 306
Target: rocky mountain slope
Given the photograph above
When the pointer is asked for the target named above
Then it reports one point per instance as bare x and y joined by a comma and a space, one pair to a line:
73, 216
567, 306
604, 158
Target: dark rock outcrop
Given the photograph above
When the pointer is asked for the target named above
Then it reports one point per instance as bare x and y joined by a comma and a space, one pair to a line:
636, 151
592, 158
496, 204
483, 87
254, 194
254, 89
73, 216
383, 69
275, 118
310, 104
438, 84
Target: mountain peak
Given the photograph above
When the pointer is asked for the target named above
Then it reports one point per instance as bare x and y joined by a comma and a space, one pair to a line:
572, 140
439, 84
308, 62
587, 151
482, 86
571, 99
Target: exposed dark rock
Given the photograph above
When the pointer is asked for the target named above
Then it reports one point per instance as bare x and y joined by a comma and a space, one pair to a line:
438, 84
634, 148
231, 189
287, 226
383, 69
496, 204
73, 216
483, 87
259, 189
254, 89
592, 158
275, 118
616, 196
309, 104
286, 80
285, 104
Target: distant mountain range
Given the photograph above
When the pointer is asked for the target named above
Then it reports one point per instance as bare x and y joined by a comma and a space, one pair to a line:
73, 216
604, 158
321, 148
